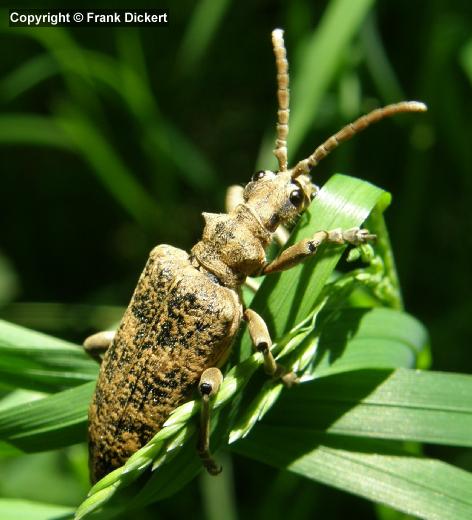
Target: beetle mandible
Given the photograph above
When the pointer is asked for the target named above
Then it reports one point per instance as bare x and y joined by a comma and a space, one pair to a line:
187, 307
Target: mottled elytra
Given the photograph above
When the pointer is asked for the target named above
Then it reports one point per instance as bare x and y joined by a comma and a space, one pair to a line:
186, 309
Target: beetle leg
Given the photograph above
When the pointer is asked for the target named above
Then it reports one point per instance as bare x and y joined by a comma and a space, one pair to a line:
309, 246
210, 382
97, 344
281, 235
261, 339
234, 197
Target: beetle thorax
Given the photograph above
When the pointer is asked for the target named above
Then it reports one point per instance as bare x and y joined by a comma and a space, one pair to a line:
233, 245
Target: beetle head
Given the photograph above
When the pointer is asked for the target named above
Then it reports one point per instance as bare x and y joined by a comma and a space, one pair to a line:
277, 197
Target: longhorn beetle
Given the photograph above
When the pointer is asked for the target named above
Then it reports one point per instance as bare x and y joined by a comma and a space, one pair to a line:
187, 307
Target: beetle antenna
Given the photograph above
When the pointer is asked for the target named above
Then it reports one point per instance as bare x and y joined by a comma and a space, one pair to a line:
283, 98
304, 167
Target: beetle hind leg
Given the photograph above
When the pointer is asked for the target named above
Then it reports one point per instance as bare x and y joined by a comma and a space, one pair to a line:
210, 382
97, 344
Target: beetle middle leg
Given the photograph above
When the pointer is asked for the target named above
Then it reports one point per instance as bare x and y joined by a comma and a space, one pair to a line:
262, 342
97, 344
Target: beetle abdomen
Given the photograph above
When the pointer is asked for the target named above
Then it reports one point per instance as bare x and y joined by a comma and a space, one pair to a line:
178, 323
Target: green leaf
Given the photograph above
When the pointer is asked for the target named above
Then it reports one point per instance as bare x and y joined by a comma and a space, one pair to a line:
403, 404
108, 166
334, 421
85, 72
54, 316
380, 68
343, 343
26, 76
32, 130
320, 61
352, 339
201, 28
55, 421
9, 281
466, 59
316, 67
69, 60
29, 359
13, 509
378, 470
161, 138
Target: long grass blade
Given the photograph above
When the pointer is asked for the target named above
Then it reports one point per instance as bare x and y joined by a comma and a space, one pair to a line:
201, 29
14, 509
55, 421
29, 359
430, 407
318, 63
378, 470
33, 130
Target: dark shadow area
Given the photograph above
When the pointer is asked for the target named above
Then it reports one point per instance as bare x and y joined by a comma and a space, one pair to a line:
51, 439
337, 327
327, 400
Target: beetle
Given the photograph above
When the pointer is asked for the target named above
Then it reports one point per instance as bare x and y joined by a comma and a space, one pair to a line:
187, 308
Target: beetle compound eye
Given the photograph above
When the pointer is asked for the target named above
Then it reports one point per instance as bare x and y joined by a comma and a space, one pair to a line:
296, 197
258, 175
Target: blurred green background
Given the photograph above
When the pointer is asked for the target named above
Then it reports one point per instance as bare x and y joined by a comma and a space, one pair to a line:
113, 140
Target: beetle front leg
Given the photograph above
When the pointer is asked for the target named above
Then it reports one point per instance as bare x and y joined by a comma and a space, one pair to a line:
234, 197
210, 382
309, 246
97, 344
261, 340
